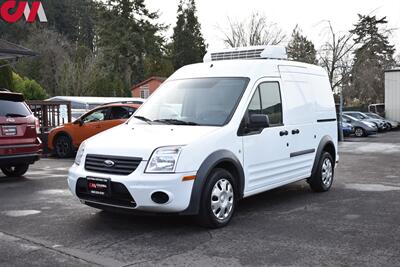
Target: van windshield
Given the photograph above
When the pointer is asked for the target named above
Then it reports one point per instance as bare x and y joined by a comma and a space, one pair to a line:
201, 101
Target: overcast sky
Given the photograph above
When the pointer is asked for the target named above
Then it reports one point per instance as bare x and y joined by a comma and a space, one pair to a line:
308, 14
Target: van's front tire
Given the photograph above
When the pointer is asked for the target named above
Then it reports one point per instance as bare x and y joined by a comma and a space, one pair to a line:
322, 179
218, 201
15, 171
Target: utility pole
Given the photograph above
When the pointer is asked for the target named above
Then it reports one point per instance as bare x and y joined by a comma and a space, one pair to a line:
341, 138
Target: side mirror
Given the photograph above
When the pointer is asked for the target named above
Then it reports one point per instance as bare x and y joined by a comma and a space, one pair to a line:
78, 121
258, 121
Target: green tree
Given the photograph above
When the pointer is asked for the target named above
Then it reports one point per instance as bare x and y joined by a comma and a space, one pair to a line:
371, 58
188, 45
6, 79
126, 34
29, 88
301, 49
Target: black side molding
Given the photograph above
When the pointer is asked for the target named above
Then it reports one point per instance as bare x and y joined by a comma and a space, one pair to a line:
202, 174
303, 152
326, 140
326, 120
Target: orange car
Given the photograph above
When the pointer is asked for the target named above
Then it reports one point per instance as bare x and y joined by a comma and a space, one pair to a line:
65, 140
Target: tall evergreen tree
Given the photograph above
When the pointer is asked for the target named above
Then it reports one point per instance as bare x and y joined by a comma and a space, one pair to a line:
374, 55
301, 49
6, 80
125, 35
188, 44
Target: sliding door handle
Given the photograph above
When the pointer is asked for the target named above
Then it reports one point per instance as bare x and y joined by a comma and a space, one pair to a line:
296, 131
283, 133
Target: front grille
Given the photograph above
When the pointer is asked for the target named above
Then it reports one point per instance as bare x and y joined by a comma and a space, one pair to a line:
120, 166
119, 196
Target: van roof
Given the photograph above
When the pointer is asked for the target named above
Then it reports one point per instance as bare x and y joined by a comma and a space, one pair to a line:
251, 68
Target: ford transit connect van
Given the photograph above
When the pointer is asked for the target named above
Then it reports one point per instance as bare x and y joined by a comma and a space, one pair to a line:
243, 122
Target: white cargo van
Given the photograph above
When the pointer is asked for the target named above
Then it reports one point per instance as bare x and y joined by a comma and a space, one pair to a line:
243, 122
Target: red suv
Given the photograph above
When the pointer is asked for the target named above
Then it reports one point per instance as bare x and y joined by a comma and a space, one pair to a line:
19, 144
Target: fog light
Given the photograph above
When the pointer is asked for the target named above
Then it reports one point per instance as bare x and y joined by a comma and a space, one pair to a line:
160, 197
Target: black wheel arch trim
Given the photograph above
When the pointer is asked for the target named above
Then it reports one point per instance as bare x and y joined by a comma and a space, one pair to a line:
326, 140
214, 159
60, 134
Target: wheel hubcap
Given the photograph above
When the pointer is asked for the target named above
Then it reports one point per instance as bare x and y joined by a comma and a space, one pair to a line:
327, 172
359, 132
222, 199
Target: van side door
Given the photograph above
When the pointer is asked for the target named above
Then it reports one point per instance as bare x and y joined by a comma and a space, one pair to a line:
301, 121
266, 152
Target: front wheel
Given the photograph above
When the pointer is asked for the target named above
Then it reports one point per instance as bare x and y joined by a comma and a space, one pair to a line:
322, 179
359, 132
218, 201
15, 171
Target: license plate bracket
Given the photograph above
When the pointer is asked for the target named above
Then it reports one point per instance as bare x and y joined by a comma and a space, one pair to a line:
100, 187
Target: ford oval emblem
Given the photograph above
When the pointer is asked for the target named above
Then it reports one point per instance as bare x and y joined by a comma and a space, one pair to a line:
10, 120
109, 163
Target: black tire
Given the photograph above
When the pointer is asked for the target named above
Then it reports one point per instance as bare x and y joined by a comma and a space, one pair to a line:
15, 171
63, 146
360, 132
389, 127
206, 216
318, 182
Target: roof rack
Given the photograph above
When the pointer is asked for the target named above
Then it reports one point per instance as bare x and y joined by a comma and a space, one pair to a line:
124, 102
250, 52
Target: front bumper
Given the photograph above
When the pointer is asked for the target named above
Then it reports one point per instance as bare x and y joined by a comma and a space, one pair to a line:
141, 186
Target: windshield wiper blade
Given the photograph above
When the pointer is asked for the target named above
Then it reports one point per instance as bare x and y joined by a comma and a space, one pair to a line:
148, 121
176, 122
14, 115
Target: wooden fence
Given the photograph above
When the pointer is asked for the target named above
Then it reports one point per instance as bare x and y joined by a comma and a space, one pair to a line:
51, 113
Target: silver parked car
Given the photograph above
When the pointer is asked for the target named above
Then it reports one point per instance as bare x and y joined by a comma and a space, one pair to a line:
390, 124
361, 127
363, 117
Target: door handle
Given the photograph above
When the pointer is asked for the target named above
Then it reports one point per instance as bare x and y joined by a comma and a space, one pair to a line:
282, 133
296, 131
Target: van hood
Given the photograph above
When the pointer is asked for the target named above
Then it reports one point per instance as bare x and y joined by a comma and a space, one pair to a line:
140, 140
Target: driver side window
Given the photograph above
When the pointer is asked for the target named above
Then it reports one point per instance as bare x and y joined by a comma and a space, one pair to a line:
95, 116
267, 100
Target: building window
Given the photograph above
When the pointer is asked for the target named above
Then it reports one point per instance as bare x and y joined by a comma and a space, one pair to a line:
144, 91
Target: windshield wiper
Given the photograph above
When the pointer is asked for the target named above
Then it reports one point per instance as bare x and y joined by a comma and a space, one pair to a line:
14, 115
148, 121
176, 122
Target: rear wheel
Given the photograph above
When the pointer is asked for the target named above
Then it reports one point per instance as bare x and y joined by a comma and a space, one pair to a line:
15, 171
218, 201
63, 146
359, 132
322, 180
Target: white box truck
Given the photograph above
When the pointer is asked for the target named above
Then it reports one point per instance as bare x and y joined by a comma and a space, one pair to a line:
392, 94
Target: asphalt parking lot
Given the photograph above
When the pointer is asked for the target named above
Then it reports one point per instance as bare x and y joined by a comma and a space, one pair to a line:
356, 223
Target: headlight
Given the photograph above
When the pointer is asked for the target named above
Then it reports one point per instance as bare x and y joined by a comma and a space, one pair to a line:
370, 124
164, 159
79, 154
